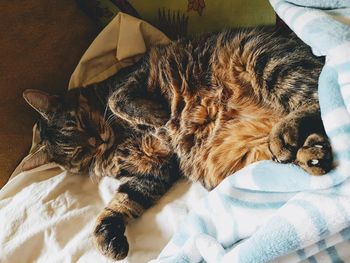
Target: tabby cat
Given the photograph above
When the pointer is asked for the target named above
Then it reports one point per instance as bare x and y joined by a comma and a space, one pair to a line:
203, 108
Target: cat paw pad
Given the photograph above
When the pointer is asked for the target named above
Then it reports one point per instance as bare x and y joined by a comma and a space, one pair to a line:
315, 156
109, 237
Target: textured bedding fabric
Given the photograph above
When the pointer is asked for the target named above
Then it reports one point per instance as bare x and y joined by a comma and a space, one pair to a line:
48, 215
270, 211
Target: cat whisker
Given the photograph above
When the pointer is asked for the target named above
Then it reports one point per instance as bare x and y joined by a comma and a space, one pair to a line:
91, 166
105, 112
110, 119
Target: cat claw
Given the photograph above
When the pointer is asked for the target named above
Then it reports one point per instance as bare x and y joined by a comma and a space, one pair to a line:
314, 162
275, 159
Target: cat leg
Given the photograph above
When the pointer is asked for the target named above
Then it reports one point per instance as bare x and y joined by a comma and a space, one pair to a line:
135, 194
135, 104
300, 138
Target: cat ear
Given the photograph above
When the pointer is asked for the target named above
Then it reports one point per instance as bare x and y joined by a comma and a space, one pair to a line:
40, 101
34, 160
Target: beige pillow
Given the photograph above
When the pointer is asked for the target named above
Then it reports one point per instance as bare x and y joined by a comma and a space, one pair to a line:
119, 45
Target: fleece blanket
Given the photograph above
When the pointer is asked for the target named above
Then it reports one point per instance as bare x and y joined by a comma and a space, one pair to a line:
273, 212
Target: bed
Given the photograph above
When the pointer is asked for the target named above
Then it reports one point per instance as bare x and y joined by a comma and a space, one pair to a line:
47, 214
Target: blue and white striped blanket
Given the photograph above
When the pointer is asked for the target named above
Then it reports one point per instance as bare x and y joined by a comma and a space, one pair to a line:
274, 212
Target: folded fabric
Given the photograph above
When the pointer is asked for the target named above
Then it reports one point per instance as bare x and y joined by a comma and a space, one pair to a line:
111, 50
271, 211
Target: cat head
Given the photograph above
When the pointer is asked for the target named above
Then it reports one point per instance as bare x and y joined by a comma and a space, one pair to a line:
72, 133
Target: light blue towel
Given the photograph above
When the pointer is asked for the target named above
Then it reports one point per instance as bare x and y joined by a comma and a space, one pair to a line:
271, 211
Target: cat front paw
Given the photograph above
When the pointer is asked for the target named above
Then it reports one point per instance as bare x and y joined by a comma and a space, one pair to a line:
292, 142
109, 236
284, 142
315, 157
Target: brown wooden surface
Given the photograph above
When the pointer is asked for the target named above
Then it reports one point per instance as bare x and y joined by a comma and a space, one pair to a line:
41, 41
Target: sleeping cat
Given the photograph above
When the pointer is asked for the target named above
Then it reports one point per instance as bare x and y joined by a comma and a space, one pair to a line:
78, 133
203, 108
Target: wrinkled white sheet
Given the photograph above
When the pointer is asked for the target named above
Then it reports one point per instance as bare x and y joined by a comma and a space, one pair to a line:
47, 215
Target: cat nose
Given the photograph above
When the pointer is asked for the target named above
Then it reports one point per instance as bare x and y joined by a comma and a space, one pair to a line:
95, 141
92, 141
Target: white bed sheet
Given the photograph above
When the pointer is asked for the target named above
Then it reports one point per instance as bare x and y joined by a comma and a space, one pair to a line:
47, 215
